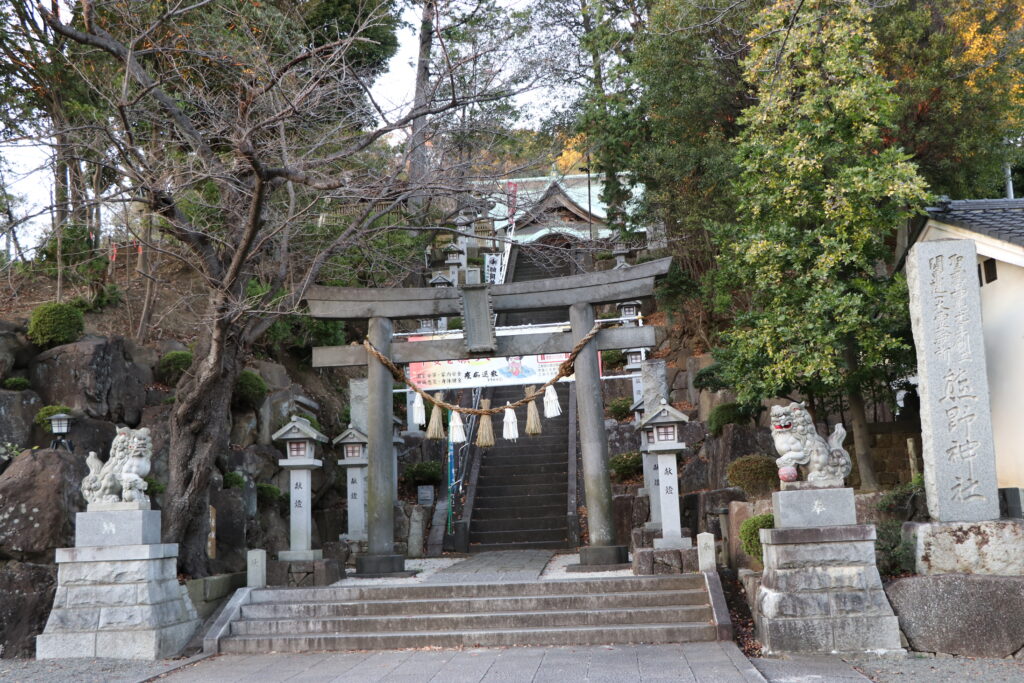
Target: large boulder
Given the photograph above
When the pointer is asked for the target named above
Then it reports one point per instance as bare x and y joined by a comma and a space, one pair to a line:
734, 442
39, 496
244, 428
89, 434
961, 614
256, 461
94, 375
16, 351
26, 596
17, 410
623, 437
157, 419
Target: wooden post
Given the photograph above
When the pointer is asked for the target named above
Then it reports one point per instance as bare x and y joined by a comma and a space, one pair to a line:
593, 446
380, 473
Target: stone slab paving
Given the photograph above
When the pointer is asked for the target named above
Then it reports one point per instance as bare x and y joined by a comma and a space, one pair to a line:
497, 566
85, 670
940, 669
686, 663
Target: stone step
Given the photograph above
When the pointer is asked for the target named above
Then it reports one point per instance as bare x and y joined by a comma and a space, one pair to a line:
521, 479
515, 502
618, 584
454, 621
477, 605
519, 523
582, 635
552, 468
519, 536
538, 455
510, 489
532, 545
484, 513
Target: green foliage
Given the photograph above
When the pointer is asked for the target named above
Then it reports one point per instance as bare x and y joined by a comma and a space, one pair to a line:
82, 260
821, 190
612, 359
903, 500
619, 408
315, 423
16, 383
9, 451
154, 487
455, 323
268, 494
108, 295
893, 554
423, 473
172, 366
710, 378
53, 324
169, 400
757, 475
234, 480
250, 390
626, 466
346, 416
42, 418
729, 413
750, 537
333, 20
604, 256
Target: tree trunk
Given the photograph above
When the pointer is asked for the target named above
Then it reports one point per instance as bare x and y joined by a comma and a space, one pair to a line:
200, 430
418, 160
858, 416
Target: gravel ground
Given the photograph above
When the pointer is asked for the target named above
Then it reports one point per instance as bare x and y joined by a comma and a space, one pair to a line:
426, 567
556, 569
940, 669
84, 670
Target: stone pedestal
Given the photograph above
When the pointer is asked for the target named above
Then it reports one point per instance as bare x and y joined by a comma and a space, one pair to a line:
300, 518
119, 595
993, 547
668, 500
355, 477
304, 573
651, 486
820, 592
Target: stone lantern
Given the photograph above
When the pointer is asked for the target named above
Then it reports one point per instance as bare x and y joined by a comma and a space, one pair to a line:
353, 451
628, 309
60, 425
300, 438
663, 437
634, 357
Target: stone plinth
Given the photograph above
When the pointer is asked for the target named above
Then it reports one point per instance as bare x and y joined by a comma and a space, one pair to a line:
117, 528
355, 477
300, 487
119, 601
956, 421
994, 547
304, 573
667, 499
647, 561
821, 592
814, 507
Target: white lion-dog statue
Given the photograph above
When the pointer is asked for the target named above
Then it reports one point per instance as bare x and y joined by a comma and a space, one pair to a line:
799, 443
122, 479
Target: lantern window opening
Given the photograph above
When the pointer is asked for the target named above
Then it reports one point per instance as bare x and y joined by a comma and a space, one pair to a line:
296, 449
666, 432
353, 450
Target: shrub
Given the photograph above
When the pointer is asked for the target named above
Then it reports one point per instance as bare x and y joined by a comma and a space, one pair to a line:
250, 390
905, 500
42, 418
728, 413
153, 487
894, 554
626, 466
757, 475
423, 473
613, 359
619, 408
710, 378
750, 537
54, 324
16, 383
268, 494
455, 323
172, 366
313, 422
234, 480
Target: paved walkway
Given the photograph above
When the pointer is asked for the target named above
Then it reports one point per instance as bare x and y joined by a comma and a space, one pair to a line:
688, 662
496, 566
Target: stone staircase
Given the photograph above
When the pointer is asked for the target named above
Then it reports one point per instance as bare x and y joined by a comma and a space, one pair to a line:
522, 489
662, 609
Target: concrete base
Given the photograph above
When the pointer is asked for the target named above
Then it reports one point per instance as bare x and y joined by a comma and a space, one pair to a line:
604, 554
821, 593
672, 543
304, 573
380, 564
580, 568
994, 548
648, 561
122, 602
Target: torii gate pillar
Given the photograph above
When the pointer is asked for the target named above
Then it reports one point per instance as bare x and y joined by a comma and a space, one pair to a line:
380, 475
594, 447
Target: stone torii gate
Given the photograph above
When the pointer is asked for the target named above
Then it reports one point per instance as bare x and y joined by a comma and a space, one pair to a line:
477, 304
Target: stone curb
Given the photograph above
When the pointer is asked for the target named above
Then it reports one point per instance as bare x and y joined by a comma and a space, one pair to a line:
177, 666
719, 608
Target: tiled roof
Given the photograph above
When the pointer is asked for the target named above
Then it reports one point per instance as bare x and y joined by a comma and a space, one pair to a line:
1001, 219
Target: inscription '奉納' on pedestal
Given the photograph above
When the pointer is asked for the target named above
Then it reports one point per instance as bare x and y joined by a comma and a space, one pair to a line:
960, 474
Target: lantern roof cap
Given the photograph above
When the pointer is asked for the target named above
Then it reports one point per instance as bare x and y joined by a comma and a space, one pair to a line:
58, 416
350, 435
665, 414
298, 428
